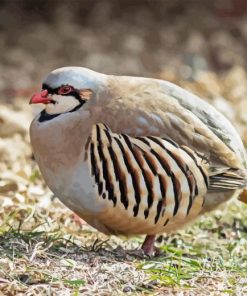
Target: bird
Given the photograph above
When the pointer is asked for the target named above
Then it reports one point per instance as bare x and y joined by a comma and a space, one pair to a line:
134, 155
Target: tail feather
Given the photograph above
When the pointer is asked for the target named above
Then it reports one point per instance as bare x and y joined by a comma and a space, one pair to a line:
227, 179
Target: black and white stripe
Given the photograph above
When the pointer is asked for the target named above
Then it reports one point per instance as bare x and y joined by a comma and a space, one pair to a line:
150, 177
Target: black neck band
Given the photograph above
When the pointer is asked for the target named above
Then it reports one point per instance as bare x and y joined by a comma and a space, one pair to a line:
44, 116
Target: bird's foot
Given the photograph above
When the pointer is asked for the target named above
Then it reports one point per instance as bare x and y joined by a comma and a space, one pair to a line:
140, 253
78, 220
147, 250
148, 245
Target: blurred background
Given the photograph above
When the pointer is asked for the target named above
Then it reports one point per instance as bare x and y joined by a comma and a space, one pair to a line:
173, 39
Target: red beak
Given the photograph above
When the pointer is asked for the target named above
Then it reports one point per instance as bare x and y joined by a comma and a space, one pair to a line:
41, 97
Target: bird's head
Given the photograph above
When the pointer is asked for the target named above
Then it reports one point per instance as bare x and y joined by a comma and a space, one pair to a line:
67, 90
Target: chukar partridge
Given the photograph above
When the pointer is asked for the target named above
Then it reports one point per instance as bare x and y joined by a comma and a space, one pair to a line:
134, 155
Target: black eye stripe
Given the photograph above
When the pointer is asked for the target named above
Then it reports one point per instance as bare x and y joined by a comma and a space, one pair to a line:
50, 90
54, 91
74, 94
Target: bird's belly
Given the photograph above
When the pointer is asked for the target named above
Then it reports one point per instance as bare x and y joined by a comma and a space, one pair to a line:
116, 220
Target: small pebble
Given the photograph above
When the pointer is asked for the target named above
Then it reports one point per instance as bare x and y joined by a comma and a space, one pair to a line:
24, 278
127, 289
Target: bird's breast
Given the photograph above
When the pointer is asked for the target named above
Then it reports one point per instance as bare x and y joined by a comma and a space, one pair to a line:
73, 186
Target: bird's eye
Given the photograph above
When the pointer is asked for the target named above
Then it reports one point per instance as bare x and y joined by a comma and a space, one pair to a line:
64, 90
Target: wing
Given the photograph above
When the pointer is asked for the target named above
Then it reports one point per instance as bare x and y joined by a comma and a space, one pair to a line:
152, 176
147, 107
213, 119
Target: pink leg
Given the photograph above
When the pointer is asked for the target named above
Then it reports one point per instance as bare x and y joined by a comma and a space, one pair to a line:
78, 220
148, 245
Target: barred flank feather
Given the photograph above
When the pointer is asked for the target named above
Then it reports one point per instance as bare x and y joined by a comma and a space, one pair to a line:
150, 177
154, 179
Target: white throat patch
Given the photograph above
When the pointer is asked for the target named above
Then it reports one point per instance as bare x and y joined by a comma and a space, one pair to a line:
63, 104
